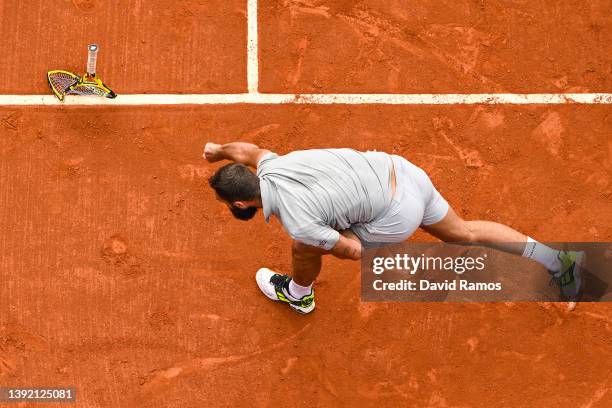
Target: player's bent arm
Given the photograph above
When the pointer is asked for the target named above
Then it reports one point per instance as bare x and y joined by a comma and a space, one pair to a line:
347, 248
344, 249
239, 152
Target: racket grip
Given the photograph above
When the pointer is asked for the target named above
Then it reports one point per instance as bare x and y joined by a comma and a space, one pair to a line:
92, 57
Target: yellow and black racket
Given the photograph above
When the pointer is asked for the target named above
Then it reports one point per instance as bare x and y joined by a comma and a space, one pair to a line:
61, 81
64, 83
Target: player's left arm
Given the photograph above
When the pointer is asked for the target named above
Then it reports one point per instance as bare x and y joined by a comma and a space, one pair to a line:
239, 152
347, 247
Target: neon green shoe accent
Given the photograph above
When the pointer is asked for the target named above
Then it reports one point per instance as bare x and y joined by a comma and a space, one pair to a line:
567, 258
305, 301
568, 261
569, 278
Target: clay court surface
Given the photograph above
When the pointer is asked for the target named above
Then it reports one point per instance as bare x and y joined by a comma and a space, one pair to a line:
123, 277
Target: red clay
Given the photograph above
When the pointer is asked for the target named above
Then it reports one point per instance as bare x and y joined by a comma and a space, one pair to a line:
159, 46
435, 46
122, 276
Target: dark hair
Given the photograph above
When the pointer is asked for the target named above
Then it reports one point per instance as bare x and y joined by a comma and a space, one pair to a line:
235, 182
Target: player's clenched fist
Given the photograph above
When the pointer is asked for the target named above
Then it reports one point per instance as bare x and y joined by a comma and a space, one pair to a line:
211, 152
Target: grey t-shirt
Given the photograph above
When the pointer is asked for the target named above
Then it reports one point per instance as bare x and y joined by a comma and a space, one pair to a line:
316, 193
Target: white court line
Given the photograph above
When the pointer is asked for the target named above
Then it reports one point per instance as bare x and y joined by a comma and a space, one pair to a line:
313, 99
254, 97
252, 48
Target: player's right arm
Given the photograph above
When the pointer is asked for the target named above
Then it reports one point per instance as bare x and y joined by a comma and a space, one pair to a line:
239, 152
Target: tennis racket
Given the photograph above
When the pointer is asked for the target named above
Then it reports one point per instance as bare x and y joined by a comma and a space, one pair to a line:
64, 83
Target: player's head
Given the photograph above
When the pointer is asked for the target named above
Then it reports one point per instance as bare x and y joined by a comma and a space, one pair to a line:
238, 188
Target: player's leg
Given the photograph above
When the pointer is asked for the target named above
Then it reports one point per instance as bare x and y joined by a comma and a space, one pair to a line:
296, 290
564, 266
453, 228
305, 265
441, 221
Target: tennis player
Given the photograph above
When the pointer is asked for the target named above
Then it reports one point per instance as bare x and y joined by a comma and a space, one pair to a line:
338, 201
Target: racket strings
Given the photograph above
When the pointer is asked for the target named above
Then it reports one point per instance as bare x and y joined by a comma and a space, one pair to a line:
61, 82
88, 89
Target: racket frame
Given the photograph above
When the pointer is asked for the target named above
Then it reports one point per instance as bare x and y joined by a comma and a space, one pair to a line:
61, 93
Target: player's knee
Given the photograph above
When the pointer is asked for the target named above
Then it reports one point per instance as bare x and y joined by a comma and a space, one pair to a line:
462, 231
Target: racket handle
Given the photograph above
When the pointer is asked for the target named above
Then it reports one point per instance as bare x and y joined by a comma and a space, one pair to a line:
92, 56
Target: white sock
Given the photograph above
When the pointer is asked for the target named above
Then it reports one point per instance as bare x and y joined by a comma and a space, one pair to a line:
298, 291
542, 254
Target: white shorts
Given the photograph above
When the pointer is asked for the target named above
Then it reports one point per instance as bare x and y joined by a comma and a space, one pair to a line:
416, 202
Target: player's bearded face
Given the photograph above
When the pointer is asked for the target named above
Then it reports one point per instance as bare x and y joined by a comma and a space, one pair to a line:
244, 214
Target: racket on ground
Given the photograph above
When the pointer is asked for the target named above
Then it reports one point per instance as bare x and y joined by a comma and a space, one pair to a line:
61, 81
64, 83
